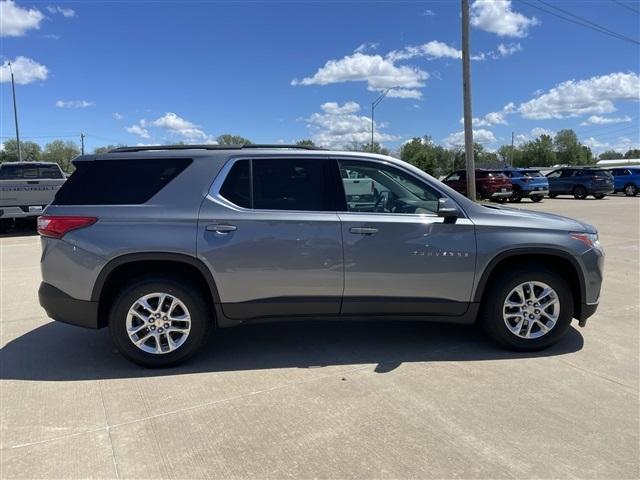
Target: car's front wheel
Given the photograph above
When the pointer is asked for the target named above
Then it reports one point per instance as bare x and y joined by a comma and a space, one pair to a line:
527, 310
516, 196
599, 196
159, 322
536, 198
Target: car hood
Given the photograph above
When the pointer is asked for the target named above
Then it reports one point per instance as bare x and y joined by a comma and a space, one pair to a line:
528, 218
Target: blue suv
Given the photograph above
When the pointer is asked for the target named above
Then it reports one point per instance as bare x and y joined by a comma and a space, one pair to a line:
580, 182
626, 180
527, 182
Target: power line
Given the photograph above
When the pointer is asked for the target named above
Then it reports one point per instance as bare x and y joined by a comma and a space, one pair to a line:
580, 21
626, 6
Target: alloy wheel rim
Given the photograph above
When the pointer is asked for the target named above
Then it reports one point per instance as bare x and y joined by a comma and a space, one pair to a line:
531, 310
630, 190
158, 323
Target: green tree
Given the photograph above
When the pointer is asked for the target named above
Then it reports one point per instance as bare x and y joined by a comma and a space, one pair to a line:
633, 153
62, 153
538, 153
569, 150
610, 155
31, 151
306, 142
423, 153
228, 139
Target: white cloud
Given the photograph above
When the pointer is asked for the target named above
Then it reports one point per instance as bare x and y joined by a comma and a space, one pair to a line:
379, 73
622, 144
15, 21
479, 136
52, 36
74, 104
118, 116
496, 16
509, 49
182, 128
492, 118
66, 12
600, 120
25, 70
428, 13
536, 132
339, 126
138, 129
363, 47
430, 50
594, 95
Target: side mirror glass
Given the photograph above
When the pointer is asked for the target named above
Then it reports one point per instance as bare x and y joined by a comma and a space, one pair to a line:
448, 209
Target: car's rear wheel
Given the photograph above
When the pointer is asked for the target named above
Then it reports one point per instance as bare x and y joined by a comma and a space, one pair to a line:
630, 190
516, 196
579, 192
600, 196
536, 198
527, 310
159, 322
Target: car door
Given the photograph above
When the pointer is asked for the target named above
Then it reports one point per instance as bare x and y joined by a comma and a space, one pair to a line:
400, 257
555, 182
270, 234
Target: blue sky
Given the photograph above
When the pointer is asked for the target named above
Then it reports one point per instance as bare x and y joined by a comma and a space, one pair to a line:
156, 72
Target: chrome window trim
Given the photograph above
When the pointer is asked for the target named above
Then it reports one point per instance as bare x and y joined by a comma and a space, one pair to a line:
216, 186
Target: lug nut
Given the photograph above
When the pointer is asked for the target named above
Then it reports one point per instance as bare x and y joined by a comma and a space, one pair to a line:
166, 325
157, 315
151, 320
153, 327
160, 330
531, 317
537, 312
164, 318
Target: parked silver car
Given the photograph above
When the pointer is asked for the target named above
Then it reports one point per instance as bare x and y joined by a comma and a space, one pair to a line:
165, 244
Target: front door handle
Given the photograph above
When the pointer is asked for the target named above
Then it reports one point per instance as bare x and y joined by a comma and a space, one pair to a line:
363, 230
221, 228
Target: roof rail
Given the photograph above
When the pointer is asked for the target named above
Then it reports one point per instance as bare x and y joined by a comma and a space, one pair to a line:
147, 148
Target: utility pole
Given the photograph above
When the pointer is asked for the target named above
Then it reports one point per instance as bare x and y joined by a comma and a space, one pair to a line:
374, 104
511, 149
15, 114
466, 91
82, 143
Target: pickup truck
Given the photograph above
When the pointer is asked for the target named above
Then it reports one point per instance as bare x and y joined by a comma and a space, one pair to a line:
26, 188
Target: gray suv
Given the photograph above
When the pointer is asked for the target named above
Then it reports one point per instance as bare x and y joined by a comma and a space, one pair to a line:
165, 244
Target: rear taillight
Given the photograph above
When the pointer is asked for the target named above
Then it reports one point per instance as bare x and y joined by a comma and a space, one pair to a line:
57, 226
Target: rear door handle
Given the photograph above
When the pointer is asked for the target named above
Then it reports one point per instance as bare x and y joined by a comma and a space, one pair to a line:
221, 228
363, 230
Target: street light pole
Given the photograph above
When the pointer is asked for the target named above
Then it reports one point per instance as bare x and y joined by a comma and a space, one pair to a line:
15, 114
374, 104
466, 90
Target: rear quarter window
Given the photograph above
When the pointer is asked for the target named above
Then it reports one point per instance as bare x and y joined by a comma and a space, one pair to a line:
119, 182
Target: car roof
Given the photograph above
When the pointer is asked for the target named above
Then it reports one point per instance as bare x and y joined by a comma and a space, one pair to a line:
35, 163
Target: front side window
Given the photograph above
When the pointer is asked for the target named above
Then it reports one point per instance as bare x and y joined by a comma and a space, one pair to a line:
555, 174
385, 189
454, 177
279, 184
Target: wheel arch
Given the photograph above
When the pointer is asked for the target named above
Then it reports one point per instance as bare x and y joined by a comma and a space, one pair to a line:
122, 268
557, 260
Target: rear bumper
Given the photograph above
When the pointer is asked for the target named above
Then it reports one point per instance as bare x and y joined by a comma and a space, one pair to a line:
602, 189
499, 194
21, 212
535, 193
64, 308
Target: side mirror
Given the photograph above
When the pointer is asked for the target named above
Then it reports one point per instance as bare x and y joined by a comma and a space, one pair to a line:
448, 209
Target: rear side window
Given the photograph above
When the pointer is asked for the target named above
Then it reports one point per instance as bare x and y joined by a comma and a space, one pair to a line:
20, 172
280, 184
118, 182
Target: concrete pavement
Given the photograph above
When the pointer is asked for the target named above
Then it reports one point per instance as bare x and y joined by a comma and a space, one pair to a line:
328, 400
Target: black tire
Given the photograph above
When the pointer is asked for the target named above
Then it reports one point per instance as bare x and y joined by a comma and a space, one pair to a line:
516, 196
536, 198
191, 297
553, 195
491, 318
630, 190
579, 192
5, 225
600, 196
